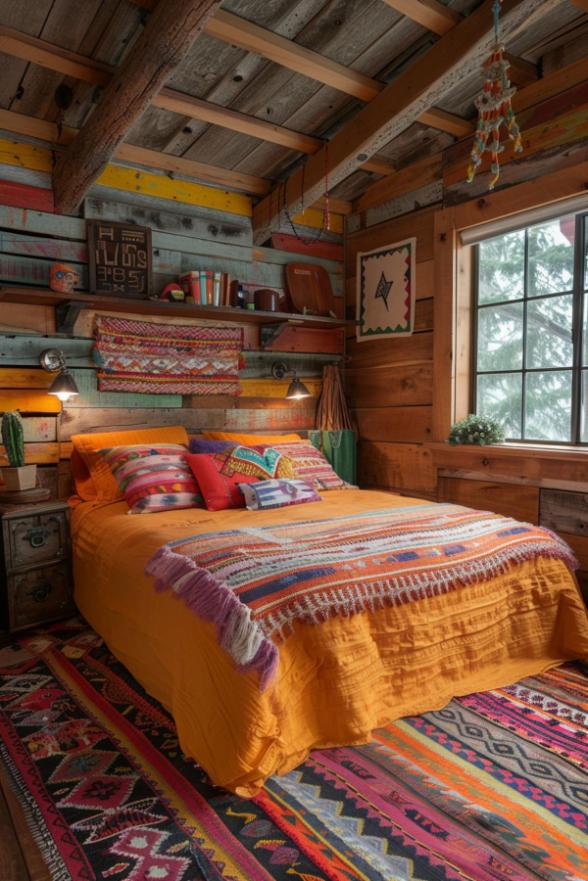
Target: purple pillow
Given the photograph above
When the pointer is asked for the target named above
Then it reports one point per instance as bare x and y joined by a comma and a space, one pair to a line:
203, 445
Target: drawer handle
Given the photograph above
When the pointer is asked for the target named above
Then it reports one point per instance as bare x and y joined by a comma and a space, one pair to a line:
41, 593
37, 536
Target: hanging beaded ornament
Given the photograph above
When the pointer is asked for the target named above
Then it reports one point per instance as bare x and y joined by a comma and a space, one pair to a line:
494, 105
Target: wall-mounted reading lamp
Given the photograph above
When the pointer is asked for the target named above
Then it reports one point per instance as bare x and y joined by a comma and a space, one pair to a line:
296, 389
64, 385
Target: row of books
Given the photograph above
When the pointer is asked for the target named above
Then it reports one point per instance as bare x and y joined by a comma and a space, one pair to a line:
206, 287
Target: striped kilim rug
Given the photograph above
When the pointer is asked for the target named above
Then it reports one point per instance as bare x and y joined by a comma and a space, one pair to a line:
494, 786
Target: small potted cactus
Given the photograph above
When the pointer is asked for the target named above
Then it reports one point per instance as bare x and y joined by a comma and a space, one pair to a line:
16, 476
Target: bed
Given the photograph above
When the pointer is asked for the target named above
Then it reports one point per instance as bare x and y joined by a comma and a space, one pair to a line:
337, 680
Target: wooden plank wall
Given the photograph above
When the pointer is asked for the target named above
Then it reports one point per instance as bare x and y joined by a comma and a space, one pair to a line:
392, 385
389, 382
183, 238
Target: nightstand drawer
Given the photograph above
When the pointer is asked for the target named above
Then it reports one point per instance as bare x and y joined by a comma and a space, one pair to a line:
34, 538
39, 595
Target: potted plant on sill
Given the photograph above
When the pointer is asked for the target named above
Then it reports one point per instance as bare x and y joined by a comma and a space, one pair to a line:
16, 475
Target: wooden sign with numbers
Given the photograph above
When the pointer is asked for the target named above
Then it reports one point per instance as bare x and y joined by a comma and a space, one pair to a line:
119, 256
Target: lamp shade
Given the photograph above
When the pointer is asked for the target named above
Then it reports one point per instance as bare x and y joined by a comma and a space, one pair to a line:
63, 386
297, 390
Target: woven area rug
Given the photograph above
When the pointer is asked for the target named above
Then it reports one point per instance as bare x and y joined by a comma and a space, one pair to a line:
494, 786
145, 357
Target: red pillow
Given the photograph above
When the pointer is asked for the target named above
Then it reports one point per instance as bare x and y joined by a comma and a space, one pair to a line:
219, 474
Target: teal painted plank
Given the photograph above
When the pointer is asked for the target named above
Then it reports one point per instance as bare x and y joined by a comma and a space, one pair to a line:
155, 203
196, 223
40, 222
34, 271
23, 350
87, 382
200, 248
20, 243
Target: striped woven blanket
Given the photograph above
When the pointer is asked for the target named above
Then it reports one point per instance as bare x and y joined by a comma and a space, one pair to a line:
255, 583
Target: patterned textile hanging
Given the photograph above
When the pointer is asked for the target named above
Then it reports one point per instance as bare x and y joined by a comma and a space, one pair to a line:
494, 106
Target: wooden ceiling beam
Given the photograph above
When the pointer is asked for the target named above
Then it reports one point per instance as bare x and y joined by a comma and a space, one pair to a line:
160, 48
52, 57
240, 32
214, 114
378, 166
431, 14
425, 171
581, 4
440, 19
79, 67
249, 36
20, 45
447, 122
414, 90
44, 130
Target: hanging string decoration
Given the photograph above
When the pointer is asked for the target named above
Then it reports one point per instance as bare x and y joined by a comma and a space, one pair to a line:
494, 105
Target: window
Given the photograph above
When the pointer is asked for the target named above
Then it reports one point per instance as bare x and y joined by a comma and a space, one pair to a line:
531, 331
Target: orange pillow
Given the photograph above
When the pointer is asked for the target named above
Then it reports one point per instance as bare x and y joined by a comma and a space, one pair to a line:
92, 476
249, 440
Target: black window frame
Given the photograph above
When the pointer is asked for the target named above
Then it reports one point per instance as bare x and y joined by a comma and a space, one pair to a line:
579, 292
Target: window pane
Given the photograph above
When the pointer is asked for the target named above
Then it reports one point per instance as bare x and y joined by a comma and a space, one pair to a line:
548, 406
499, 395
551, 256
549, 332
501, 268
584, 413
500, 337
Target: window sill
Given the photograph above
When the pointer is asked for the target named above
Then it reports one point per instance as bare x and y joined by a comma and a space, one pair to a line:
443, 451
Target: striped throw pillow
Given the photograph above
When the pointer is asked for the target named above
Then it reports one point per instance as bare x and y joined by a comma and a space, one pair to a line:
154, 477
278, 494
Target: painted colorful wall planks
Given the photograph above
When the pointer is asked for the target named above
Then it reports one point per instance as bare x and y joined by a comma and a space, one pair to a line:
31, 239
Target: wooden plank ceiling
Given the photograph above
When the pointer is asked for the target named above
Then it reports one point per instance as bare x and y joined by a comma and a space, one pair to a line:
265, 85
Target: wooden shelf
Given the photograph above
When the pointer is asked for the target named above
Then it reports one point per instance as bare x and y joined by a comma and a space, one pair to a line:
82, 300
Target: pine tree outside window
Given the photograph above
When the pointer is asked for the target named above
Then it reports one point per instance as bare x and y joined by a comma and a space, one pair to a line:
531, 331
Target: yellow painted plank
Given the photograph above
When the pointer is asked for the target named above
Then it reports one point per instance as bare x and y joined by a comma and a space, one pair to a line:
164, 187
272, 388
314, 218
28, 402
132, 180
25, 155
40, 454
24, 377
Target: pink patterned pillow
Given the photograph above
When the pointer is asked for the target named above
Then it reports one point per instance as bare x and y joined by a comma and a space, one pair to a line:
310, 464
154, 477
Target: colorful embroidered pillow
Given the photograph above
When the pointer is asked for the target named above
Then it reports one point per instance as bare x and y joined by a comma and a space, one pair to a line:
219, 474
310, 464
154, 477
278, 494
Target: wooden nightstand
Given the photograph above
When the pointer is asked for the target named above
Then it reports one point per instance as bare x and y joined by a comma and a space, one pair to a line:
35, 572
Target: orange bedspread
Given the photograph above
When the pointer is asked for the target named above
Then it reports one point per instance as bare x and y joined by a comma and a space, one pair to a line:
337, 681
